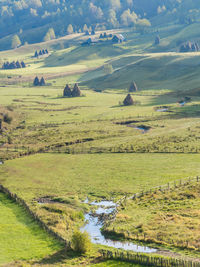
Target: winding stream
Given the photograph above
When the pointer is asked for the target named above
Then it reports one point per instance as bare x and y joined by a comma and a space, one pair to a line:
93, 226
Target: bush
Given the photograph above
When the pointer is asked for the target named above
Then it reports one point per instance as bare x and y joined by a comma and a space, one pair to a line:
81, 242
7, 118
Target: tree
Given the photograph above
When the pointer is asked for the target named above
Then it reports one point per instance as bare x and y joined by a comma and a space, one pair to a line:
128, 18
85, 28
115, 4
50, 35
112, 19
142, 25
81, 242
70, 29
47, 37
15, 41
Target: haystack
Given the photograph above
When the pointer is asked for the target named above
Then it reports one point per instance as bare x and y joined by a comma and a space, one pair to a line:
42, 82
36, 81
76, 91
128, 101
157, 40
133, 87
67, 91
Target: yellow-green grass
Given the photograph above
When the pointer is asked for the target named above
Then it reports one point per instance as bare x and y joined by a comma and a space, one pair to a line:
174, 71
170, 218
42, 118
69, 179
99, 175
20, 236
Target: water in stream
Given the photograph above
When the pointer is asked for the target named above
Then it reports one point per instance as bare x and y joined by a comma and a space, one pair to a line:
93, 227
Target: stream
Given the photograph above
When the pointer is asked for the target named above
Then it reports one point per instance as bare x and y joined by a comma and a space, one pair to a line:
93, 227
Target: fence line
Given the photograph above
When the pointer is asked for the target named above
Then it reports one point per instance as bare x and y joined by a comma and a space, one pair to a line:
147, 260
162, 188
22, 203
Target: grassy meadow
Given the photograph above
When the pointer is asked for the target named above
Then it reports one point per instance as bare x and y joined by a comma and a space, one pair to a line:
97, 176
20, 236
59, 151
170, 218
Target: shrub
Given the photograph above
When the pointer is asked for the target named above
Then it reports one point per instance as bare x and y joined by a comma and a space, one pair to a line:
7, 118
81, 242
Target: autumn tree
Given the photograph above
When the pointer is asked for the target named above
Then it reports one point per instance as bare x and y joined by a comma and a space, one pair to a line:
15, 41
70, 29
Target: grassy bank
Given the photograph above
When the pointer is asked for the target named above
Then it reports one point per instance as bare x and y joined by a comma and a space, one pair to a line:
170, 218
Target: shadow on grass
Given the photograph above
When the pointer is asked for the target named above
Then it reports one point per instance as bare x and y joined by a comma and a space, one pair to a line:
64, 255
58, 257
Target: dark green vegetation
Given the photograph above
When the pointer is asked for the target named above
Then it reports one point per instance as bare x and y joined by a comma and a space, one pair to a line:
20, 236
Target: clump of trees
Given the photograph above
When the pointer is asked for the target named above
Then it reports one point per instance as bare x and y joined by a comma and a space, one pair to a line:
68, 92
41, 52
50, 35
13, 65
189, 47
7, 118
38, 82
70, 16
81, 242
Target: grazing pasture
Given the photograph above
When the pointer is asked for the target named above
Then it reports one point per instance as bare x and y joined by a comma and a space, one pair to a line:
59, 151
21, 238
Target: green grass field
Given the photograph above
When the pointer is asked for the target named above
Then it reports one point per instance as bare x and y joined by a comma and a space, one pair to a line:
77, 177
63, 150
20, 237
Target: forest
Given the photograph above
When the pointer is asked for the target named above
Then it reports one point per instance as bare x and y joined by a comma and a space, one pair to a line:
24, 18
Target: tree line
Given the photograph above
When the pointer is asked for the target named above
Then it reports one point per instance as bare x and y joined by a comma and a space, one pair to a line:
56, 18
